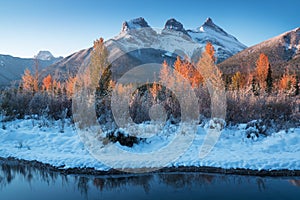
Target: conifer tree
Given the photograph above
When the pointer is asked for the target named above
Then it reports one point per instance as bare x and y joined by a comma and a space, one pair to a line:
269, 80
255, 86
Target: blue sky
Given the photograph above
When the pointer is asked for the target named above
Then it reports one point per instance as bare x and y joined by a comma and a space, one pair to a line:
65, 26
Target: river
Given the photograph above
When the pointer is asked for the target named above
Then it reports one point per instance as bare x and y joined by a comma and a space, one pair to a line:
28, 182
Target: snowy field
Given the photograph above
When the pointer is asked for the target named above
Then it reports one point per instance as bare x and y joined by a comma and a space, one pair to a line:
27, 139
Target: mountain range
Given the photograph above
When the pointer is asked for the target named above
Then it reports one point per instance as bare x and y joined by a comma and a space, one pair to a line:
139, 43
12, 68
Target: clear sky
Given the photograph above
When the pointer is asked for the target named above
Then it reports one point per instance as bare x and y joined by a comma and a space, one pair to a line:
66, 26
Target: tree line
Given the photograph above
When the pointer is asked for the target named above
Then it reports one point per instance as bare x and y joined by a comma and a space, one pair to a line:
253, 95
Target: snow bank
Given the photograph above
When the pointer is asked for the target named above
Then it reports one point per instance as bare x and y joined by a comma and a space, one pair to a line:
27, 139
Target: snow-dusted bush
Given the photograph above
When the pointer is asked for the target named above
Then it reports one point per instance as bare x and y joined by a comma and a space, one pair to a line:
123, 138
255, 128
57, 105
38, 104
204, 101
14, 103
243, 106
216, 123
17, 104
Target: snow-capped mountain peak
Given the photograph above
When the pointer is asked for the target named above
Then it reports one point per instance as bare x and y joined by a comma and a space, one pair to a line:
209, 22
210, 25
174, 25
44, 55
133, 24
225, 44
138, 43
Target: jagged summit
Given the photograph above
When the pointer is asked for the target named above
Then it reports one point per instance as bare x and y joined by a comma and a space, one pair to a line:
146, 44
174, 25
44, 55
209, 24
136, 23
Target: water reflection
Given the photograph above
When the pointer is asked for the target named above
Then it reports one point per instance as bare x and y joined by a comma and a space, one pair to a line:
107, 183
14, 175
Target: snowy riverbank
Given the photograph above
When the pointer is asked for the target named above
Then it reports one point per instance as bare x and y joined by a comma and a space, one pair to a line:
28, 140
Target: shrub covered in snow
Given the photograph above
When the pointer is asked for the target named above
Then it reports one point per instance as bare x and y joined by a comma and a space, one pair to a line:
123, 138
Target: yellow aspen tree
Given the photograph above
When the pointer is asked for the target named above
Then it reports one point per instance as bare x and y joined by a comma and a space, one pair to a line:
237, 81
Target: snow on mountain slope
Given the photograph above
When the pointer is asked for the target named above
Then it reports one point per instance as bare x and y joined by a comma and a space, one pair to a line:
168, 42
134, 24
225, 44
44, 55
174, 38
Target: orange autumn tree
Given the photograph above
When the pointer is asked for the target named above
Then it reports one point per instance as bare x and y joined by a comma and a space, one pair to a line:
47, 83
178, 65
98, 62
28, 81
261, 70
69, 85
210, 50
188, 71
287, 83
164, 74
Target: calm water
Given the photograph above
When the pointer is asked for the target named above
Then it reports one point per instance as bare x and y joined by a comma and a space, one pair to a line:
24, 182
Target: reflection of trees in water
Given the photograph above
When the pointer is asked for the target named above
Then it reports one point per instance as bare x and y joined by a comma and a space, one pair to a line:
185, 179
42, 174
8, 172
295, 182
261, 184
121, 182
82, 185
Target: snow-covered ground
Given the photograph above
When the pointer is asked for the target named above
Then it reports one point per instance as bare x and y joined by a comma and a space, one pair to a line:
27, 139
